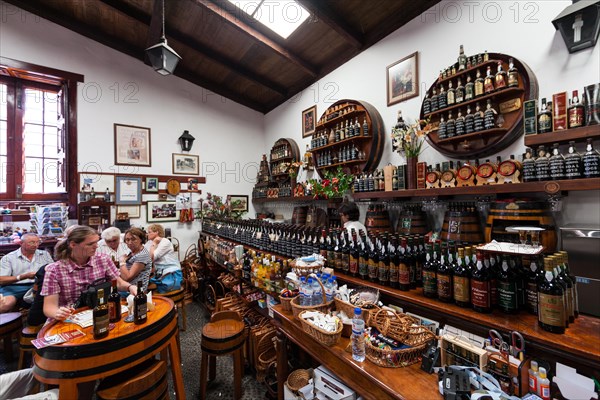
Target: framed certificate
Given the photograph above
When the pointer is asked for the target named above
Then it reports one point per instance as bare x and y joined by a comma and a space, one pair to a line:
128, 190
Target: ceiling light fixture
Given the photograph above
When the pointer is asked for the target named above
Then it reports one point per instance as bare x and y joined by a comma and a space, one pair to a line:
163, 58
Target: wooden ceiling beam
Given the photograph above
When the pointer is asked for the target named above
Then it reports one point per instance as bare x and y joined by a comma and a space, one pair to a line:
258, 36
155, 29
192, 43
321, 11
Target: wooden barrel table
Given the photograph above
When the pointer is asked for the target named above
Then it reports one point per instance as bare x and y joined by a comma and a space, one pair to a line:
10, 327
462, 227
84, 359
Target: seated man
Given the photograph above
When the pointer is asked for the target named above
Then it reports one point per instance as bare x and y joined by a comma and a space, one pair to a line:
18, 268
18, 384
111, 244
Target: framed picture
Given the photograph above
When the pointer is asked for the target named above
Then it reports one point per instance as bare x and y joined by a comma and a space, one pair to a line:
132, 211
186, 164
243, 206
403, 79
128, 190
162, 211
309, 121
151, 184
132, 145
97, 181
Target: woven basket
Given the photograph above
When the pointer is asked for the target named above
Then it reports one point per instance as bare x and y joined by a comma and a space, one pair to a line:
392, 324
323, 307
393, 358
304, 271
286, 303
348, 309
266, 355
298, 379
324, 337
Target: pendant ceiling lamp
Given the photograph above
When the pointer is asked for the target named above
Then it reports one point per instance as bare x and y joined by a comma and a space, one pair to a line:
163, 58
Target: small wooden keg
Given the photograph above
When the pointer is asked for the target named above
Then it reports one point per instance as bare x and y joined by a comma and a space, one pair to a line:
378, 220
299, 215
412, 222
462, 226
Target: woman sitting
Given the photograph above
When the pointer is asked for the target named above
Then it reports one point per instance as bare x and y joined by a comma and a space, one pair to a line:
168, 274
137, 265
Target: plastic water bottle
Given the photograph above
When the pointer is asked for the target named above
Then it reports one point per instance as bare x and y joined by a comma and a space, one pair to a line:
358, 336
334, 285
301, 290
317, 297
328, 289
308, 293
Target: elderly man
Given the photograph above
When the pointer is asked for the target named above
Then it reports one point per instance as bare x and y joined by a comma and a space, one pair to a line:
111, 244
18, 268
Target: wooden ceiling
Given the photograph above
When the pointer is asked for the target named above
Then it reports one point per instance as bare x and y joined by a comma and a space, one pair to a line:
225, 51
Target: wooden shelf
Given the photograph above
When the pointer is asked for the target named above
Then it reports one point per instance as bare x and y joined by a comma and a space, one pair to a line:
485, 135
550, 187
341, 164
336, 144
481, 99
576, 134
467, 71
295, 198
339, 118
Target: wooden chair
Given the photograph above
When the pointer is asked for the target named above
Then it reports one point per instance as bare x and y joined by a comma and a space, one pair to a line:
225, 334
25, 347
147, 381
10, 327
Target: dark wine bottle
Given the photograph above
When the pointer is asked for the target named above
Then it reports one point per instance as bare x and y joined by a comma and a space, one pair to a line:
403, 267
444, 278
461, 281
140, 306
114, 304
551, 307
507, 288
429, 271
100, 317
481, 294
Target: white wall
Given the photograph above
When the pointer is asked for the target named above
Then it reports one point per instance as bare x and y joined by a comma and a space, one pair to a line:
120, 89
521, 29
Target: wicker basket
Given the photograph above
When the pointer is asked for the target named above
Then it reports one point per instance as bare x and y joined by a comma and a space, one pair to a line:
324, 337
286, 303
348, 309
304, 271
298, 379
392, 324
323, 307
266, 355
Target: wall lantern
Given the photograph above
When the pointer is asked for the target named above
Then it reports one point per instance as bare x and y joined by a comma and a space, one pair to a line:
186, 141
162, 57
579, 24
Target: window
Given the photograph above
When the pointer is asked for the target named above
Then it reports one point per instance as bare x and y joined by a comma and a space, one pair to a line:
35, 161
281, 16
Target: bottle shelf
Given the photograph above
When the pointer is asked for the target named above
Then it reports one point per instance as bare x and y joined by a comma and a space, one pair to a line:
273, 160
485, 135
496, 96
339, 118
340, 164
465, 72
341, 142
565, 136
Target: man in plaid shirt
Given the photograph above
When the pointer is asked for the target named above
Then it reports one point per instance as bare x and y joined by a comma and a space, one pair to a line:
77, 267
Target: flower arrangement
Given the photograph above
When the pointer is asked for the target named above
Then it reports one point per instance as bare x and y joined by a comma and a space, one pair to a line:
409, 139
333, 184
294, 167
214, 207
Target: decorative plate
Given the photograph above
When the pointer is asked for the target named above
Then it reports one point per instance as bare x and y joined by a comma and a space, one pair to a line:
173, 187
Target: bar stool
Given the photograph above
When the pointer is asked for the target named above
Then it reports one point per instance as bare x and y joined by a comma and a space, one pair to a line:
25, 347
178, 297
146, 381
10, 327
224, 334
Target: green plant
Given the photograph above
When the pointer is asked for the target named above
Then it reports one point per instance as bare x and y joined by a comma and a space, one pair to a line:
333, 184
214, 207
409, 139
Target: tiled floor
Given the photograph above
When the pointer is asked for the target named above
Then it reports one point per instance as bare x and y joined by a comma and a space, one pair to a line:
221, 388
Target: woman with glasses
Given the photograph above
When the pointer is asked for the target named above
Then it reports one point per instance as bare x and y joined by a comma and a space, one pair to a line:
137, 265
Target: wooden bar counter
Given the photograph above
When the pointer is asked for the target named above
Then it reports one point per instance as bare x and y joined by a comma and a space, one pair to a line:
85, 359
367, 379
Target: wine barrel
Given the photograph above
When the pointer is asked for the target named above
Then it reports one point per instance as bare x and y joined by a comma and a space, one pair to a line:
462, 226
521, 213
378, 220
316, 217
299, 215
412, 222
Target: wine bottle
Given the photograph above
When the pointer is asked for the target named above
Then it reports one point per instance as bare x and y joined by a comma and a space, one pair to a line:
100, 317
444, 278
551, 308
403, 267
114, 304
480, 287
461, 281
429, 272
140, 306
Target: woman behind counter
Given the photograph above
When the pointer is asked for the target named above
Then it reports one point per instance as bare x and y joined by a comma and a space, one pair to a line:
137, 265
168, 273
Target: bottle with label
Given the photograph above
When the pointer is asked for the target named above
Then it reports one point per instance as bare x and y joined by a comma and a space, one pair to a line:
488, 82
461, 281
459, 94
344, 267
469, 89
100, 317
383, 269
114, 303
500, 80
450, 126
576, 112
557, 164
564, 259
551, 307
481, 286
469, 123
442, 98
535, 274
451, 95
365, 127
430, 271
543, 384
542, 164
107, 195
140, 305
411, 253
528, 166
533, 377
434, 100
363, 257
507, 288
426, 104
544, 118
442, 133
591, 161
444, 277
373, 260
354, 254
478, 118
479, 84
565, 279
358, 336
394, 263
462, 59
573, 162
459, 124
513, 74
489, 116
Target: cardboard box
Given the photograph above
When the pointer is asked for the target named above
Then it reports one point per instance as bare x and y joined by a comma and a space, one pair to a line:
559, 111
328, 384
530, 113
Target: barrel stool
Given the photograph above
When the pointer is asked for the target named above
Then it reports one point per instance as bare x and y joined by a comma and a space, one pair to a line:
10, 327
146, 381
178, 297
224, 334
25, 347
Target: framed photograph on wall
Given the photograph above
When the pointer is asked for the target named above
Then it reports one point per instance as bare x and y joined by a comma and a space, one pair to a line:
128, 190
99, 182
132, 211
309, 121
151, 184
403, 79
243, 199
162, 211
186, 164
132, 145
